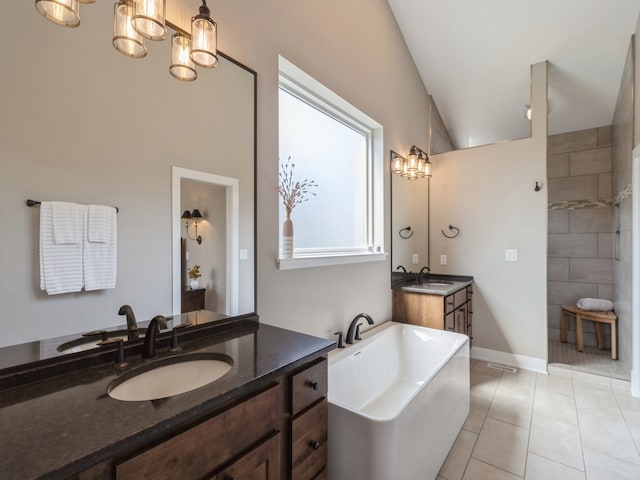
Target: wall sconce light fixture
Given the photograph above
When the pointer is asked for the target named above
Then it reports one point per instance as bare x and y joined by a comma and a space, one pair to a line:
417, 165
195, 216
137, 20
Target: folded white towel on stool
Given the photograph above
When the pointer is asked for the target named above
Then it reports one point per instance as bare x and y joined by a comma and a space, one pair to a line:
595, 304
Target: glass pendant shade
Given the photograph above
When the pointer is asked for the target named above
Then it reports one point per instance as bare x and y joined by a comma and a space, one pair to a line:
405, 169
182, 67
427, 168
61, 12
148, 19
204, 39
413, 161
396, 165
125, 39
421, 164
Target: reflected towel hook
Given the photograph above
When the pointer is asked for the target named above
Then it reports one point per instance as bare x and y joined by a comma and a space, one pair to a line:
452, 228
407, 235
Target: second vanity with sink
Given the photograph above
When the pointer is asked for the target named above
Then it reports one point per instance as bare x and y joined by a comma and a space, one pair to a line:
436, 301
262, 415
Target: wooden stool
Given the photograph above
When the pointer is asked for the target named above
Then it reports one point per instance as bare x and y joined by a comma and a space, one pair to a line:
595, 316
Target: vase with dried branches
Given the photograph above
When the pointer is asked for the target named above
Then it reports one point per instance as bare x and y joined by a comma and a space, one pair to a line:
293, 193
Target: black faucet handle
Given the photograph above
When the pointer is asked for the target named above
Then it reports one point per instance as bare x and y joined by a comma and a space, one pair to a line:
340, 342
357, 337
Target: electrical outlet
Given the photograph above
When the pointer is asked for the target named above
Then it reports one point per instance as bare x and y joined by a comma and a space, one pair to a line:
244, 254
443, 259
511, 255
414, 259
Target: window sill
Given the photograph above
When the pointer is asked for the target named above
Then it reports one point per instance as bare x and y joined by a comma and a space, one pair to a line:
310, 261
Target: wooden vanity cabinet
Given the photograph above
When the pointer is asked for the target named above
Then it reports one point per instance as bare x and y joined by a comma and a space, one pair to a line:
453, 312
278, 432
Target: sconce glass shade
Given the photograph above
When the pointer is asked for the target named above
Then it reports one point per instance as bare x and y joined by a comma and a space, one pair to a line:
413, 176
204, 39
405, 169
148, 19
421, 163
125, 39
182, 67
413, 160
61, 12
427, 168
396, 164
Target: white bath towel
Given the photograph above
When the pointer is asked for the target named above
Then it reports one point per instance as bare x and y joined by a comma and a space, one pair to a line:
100, 248
595, 304
67, 222
60, 263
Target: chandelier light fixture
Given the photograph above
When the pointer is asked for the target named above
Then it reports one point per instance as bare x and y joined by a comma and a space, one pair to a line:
417, 165
148, 19
125, 38
135, 21
182, 67
204, 38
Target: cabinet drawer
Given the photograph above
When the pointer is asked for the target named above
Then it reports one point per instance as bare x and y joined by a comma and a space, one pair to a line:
197, 452
453, 301
309, 443
308, 386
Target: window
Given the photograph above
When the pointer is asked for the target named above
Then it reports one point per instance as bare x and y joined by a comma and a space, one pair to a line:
338, 147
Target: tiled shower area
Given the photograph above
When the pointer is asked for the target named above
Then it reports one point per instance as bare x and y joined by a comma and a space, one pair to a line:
581, 240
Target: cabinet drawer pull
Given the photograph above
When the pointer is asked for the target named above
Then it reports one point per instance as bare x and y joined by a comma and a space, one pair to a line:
315, 445
314, 385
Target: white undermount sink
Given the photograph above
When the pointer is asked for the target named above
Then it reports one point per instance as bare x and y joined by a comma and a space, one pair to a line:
169, 376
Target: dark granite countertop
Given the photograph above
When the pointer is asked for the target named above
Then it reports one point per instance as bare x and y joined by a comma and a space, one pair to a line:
57, 427
433, 284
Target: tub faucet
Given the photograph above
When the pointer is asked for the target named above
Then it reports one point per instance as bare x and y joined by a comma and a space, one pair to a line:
351, 333
149, 347
421, 274
132, 326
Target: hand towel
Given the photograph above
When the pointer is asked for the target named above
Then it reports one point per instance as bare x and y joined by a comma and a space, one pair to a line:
102, 222
100, 248
595, 304
60, 263
67, 222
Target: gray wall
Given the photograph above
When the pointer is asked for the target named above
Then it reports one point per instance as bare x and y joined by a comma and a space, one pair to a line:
580, 220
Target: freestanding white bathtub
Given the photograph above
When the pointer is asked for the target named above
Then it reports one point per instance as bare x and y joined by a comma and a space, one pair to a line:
397, 400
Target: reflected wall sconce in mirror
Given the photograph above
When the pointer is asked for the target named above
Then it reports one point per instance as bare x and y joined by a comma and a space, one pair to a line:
195, 216
134, 22
417, 165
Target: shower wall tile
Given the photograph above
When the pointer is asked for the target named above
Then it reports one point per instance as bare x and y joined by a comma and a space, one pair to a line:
605, 136
590, 220
605, 245
590, 161
558, 221
568, 293
573, 245
558, 269
604, 185
591, 270
558, 165
573, 188
572, 141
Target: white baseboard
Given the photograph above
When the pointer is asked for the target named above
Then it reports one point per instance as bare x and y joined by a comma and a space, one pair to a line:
512, 359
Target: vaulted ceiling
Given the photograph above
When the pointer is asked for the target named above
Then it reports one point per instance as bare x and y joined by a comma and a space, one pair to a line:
474, 58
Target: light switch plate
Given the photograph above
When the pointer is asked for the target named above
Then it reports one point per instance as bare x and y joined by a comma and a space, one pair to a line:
243, 254
414, 259
511, 255
443, 259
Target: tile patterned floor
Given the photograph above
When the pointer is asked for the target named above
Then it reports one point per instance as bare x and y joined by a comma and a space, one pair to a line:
590, 360
563, 426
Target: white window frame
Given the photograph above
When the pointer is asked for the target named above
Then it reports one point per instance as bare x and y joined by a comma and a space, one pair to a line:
298, 83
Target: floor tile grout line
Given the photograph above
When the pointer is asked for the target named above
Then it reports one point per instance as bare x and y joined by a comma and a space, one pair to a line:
626, 423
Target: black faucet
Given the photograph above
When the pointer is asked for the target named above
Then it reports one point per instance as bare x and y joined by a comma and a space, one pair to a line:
421, 276
149, 347
132, 326
404, 271
351, 333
